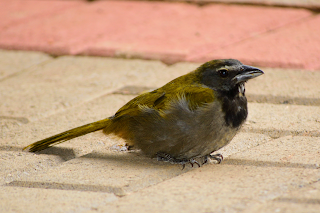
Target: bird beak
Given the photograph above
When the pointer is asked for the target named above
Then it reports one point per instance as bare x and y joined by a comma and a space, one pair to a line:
246, 73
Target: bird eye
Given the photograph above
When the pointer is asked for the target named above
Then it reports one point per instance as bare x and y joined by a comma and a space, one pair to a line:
223, 73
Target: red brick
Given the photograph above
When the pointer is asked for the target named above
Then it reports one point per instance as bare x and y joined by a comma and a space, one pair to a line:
312, 4
152, 30
174, 31
294, 46
15, 12
63, 33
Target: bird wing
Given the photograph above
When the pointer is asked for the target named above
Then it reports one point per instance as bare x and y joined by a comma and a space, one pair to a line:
160, 100
146, 99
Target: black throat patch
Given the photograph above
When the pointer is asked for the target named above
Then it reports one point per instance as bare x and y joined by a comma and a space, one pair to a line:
234, 105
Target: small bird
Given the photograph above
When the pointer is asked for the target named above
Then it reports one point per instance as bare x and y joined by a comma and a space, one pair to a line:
190, 117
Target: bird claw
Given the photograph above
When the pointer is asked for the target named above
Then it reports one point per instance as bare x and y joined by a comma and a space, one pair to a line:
217, 157
185, 161
168, 158
193, 161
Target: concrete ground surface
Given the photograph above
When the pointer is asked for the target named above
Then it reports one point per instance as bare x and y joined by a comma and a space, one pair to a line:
49, 83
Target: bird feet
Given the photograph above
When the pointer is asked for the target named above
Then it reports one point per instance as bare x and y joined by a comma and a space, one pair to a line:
217, 157
168, 158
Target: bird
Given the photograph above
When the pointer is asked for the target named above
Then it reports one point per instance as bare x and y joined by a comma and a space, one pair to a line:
190, 117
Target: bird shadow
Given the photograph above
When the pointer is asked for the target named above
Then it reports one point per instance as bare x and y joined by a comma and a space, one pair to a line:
137, 158
64, 153
131, 160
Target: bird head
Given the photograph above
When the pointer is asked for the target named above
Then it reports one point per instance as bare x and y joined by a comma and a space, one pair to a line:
226, 74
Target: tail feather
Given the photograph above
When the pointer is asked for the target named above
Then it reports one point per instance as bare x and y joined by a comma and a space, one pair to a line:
67, 135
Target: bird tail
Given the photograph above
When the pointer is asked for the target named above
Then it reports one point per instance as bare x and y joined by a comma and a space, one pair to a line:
67, 135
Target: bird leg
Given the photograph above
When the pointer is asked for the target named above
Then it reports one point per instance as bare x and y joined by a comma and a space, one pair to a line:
217, 157
168, 158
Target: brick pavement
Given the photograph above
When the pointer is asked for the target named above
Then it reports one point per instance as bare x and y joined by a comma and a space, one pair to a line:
267, 165
167, 31
272, 165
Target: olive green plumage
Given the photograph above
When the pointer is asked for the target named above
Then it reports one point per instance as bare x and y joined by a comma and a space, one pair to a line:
191, 116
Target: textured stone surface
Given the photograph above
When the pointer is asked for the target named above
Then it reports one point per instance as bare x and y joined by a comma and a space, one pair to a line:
248, 178
16, 61
49, 87
284, 83
305, 199
50, 200
271, 165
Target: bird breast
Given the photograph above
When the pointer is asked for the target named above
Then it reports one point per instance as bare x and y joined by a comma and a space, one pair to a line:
181, 132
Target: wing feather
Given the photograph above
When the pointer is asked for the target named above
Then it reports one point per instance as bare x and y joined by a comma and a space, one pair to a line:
196, 96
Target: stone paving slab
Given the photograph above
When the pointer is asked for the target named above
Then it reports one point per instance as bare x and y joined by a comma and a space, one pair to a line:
111, 172
50, 200
305, 199
245, 179
169, 31
16, 61
301, 120
272, 159
56, 80
287, 83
